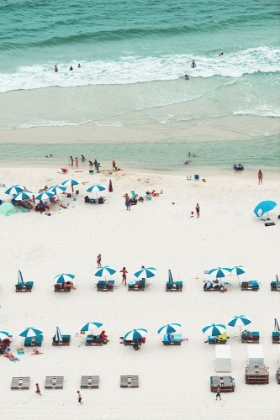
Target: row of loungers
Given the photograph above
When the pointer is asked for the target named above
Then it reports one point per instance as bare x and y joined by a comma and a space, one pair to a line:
214, 286
87, 382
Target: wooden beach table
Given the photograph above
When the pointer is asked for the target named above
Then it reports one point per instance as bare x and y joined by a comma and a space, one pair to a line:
226, 383
256, 375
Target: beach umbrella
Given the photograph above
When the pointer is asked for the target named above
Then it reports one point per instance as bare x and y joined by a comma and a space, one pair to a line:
63, 278
214, 329
44, 195
169, 328
70, 182
7, 209
264, 207
104, 271
14, 189
20, 278
91, 326
276, 325
57, 189
4, 335
96, 188
219, 272
23, 195
58, 335
135, 334
170, 277
238, 270
146, 272
239, 321
31, 332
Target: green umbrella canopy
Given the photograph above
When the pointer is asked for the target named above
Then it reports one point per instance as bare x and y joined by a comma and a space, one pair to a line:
7, 209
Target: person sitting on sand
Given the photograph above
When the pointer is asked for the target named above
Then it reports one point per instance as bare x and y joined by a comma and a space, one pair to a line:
35, 352
104, 336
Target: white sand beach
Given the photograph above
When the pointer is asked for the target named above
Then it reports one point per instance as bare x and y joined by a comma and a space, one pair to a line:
173, 380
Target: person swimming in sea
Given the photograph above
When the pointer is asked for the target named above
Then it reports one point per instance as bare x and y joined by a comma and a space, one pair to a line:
48, 156
193, 64
55, 69
221, 54
187, 77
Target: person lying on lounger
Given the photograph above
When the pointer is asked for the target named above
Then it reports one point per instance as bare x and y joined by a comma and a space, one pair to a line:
70, 285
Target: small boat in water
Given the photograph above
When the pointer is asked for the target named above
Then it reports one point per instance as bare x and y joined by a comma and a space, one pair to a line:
238, 167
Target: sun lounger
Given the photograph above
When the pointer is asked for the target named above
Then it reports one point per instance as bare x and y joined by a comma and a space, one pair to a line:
250, 337
93, 340
54, 382
20, 382
226, 383
137, 286
250, 285
256, 375
27, 287
65, 341
63, 287
275, 337
278, 376
33, 342
129, 381
275, 285
90, 382
176, 339
174, 286
105, 286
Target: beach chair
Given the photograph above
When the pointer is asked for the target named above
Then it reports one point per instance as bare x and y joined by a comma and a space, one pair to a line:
250, 285
19, 288
196, 177
278, 376
148, 197
170, 286
59, 288
179, 286
129, 381
54, 382
275, 337
29, 286
27, 342
89, 382
38, 341
189, 177
141, 285
20, 382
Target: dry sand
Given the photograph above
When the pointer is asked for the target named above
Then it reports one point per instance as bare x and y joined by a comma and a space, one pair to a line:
174, 381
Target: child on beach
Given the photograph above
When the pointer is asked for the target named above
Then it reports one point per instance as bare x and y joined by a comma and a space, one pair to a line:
218, 395
37, 391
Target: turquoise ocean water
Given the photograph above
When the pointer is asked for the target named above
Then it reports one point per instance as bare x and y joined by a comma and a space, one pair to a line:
133, 57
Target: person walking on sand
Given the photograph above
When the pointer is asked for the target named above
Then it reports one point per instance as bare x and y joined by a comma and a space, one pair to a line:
218, 395
127, 201
197, 209
79, 397
124, 273
260, 177
37, 390
71, 160
98, 260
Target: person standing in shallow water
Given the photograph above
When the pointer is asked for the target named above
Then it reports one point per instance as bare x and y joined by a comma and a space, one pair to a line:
197, 209
260, 177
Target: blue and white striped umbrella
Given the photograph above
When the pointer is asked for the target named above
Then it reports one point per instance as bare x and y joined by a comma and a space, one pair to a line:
146, 272
23, 195
169, 328
96, 188
14, 189
91, 326
105, 271
20, 278
214, 329
135, 334
57, 189
63, 278
238, 270
219, 272
4, 335
31, 332
44, 195
58, 335
239, 321
70, 182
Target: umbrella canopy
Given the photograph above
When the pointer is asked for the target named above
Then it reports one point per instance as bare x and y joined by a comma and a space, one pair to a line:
7, 209
219, 272
110, 188
276, 325
58, 335
96, 188
20, 278
14, 189
63, 278
263, 207
4, 335
105, 271
169, 328
214, 329
135, 334
70, 182
57, 189
170, 277
146, 272
30, 332
238, 270
23, 195
44, 195
239, 321
91, 326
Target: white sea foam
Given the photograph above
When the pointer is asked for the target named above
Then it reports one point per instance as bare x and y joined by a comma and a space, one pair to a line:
135, 69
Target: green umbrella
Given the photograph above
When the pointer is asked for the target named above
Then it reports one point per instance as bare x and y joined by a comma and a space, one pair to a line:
7, 209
